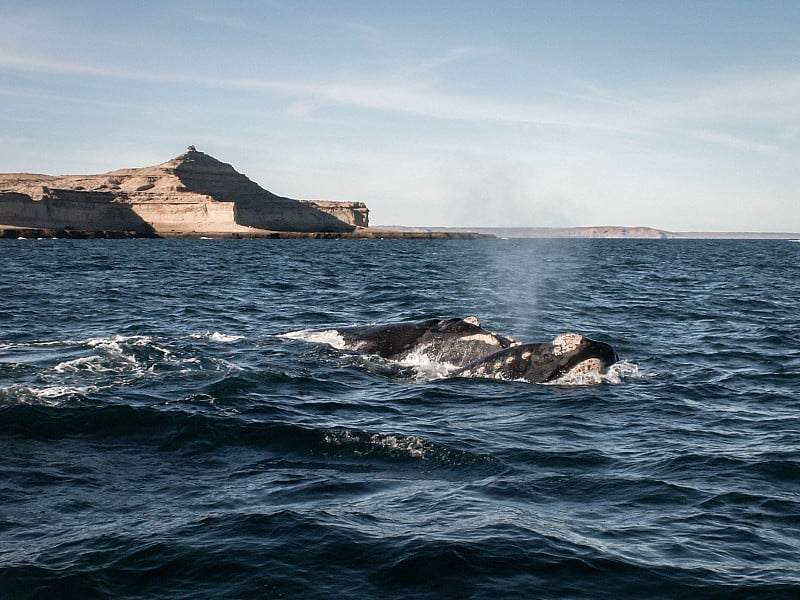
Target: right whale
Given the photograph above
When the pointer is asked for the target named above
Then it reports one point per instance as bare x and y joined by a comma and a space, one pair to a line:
468, 350
568, 354
458, 342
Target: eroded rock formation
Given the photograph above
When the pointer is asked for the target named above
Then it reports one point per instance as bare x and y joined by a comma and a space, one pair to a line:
193, 194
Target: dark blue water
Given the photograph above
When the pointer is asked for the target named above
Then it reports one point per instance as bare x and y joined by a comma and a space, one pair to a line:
159, 438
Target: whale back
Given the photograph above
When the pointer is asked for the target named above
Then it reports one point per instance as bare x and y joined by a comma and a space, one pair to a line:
455, 341
388, 340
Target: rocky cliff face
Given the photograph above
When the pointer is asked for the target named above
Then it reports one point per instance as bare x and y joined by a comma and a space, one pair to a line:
193, 194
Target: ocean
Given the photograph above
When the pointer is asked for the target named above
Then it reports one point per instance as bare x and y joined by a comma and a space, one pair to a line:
161, 436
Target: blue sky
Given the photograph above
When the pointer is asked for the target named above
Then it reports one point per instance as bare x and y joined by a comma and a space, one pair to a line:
678, 115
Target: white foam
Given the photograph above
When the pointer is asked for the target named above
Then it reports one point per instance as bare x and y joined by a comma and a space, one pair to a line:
426, 368
93, 364
225, 338
620, 372
215, 336
114, 354
331, 337
115, 343
59, 391
581, 378
53, 395
409, 445
625, 371
16, 345
220, 364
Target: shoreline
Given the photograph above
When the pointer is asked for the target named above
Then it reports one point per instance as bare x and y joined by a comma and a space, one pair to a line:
404, 233
605, 232
360, 233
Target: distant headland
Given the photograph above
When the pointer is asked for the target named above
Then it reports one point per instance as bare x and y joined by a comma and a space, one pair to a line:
193, 195
603, 232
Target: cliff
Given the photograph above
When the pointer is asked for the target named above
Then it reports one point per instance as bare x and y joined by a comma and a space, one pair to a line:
193, 194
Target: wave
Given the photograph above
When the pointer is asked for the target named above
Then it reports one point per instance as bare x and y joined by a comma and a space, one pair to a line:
58, 371
171, 429
301, 554
400, 447
48, 395
117, 353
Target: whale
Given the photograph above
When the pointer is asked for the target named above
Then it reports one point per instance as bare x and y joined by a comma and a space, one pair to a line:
466, 349
455, 341
567, 355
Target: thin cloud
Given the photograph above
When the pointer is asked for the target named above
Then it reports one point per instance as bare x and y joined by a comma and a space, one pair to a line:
364, 30
62, 98
735, 142
738, 97
412, 99
424, 102
450, 56
223, 21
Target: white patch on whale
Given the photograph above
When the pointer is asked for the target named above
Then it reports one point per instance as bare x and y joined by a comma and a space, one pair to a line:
486, 338
566, 342
331, 337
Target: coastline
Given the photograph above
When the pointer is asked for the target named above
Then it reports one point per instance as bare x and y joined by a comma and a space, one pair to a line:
7, 232
405, 233
603, 232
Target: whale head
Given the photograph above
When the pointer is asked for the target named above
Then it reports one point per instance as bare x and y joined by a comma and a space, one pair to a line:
566, 354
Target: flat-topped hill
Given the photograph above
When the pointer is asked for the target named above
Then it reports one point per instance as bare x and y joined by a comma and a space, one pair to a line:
192, 194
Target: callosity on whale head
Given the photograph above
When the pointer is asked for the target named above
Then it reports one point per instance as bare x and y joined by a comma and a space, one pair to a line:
458, 342
568, 353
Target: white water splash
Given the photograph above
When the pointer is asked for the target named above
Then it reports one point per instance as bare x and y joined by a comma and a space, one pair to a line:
215, 336
411, 445
425, 368
364, 445
122, 358
114, 354
53, 395
620, 372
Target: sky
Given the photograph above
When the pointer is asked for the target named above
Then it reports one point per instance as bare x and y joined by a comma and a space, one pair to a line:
683, 116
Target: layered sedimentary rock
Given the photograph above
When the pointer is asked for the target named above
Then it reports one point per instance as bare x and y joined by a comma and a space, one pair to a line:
193, 194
